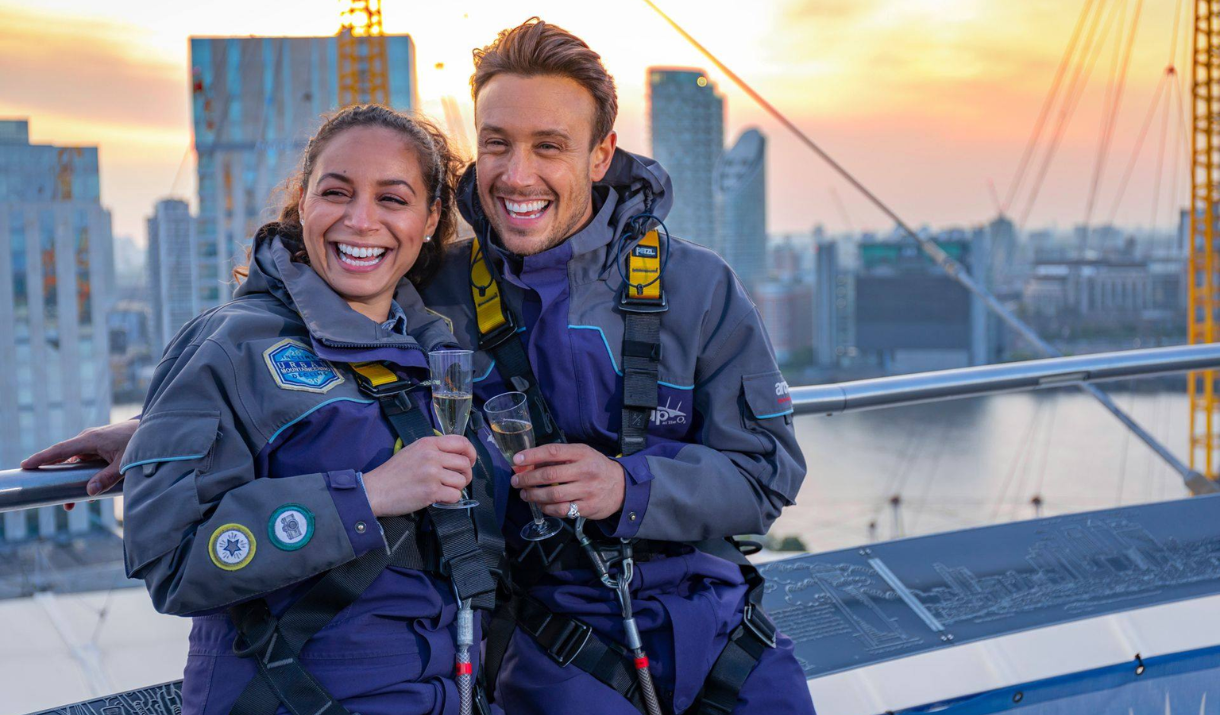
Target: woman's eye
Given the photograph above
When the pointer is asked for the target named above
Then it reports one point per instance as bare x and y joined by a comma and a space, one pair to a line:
332, 192
394, 199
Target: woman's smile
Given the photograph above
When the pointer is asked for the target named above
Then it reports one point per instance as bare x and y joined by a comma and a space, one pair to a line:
359, 258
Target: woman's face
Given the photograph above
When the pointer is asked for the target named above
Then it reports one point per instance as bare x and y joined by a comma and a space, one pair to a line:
364, 216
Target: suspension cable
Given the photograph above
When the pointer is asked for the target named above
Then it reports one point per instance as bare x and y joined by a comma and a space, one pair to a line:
1080, 80
956, 271
1047, 103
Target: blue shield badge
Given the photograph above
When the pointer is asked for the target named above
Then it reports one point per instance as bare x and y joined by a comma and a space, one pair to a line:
295, 367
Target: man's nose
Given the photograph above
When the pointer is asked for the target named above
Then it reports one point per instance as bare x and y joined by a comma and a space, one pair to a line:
361, 215
520, 171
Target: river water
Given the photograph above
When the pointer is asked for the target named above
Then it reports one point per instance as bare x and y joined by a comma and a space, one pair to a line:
978, 461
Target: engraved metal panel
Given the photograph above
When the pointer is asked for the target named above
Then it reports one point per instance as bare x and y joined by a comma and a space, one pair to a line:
851, 608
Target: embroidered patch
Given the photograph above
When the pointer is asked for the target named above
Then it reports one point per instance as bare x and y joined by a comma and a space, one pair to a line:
231, 547
295, 367
290, 527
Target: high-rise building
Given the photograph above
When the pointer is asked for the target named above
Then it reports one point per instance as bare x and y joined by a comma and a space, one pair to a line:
910, 316
740, 180
255, 103
173, 274
828, 305
686, 126
787, 313
55, 259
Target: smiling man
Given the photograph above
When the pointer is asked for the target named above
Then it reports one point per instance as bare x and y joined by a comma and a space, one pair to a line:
562, 219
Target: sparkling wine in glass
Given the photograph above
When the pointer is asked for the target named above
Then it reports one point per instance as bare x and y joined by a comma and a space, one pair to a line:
452, 384
509, 417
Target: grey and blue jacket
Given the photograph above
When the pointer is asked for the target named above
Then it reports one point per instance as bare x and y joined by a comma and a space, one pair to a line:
243, 481
721, 458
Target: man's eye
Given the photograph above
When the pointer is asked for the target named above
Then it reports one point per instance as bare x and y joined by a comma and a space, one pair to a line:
549, 147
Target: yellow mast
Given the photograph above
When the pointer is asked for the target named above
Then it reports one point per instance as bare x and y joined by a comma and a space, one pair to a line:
363, 70
1204, 192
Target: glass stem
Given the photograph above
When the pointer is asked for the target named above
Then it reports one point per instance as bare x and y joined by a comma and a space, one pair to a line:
539, 517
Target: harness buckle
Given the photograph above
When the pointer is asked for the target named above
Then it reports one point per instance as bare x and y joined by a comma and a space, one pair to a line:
569, 642
630, 304
387, 390
758, 624
497, 337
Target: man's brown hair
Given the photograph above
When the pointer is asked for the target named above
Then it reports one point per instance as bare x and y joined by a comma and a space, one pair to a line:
536, 48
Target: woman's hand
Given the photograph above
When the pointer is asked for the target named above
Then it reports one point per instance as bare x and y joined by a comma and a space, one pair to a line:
430, 470
106, 443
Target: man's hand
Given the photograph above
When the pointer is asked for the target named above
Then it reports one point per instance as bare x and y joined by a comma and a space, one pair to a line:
555, 475
106, 443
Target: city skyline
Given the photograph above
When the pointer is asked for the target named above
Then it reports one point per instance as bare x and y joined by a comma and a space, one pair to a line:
925, 100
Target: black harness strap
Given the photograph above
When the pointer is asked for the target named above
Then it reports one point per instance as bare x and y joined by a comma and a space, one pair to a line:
740, 656
642, 301
461, 556
275, 643
568, 641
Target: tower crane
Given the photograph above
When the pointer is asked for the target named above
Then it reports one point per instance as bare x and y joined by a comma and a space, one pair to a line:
363, 68
1202, 264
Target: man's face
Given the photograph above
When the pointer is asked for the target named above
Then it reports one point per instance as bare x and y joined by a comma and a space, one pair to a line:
536, 159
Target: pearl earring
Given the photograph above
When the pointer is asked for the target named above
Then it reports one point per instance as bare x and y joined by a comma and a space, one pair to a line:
427, 238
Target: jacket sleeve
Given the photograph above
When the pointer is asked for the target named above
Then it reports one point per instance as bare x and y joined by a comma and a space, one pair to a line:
199, 527
746, 465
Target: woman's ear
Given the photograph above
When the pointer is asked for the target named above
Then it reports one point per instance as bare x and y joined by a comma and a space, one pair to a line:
434, 218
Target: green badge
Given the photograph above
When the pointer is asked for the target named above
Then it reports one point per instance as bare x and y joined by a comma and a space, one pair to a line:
290, 527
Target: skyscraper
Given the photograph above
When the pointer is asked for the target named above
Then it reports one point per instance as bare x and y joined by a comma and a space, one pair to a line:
173, 274
740, 180
55, 258
255, 103
686, 125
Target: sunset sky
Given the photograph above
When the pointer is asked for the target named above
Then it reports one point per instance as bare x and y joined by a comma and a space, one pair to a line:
925, 100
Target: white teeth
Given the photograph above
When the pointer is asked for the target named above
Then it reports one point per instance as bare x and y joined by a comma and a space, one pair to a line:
359, 252
349, 254
525, 208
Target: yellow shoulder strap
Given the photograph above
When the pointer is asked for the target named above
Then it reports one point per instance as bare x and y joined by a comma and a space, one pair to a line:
644, 269
486, 293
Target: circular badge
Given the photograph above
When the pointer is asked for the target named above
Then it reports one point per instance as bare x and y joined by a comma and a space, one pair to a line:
231, 547
290, 527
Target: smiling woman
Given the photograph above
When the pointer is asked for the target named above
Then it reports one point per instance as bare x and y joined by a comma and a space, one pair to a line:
365, 208
269, 478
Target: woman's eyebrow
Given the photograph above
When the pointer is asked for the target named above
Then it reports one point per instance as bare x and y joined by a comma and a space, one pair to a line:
397, 182
333, 175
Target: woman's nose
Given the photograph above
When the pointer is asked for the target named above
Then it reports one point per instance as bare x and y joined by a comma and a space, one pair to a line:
361, 215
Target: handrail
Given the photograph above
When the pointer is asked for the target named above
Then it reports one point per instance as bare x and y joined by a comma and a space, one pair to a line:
48, 486
1005, 377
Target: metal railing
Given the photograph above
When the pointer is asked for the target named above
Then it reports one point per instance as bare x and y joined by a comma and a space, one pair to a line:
26, 489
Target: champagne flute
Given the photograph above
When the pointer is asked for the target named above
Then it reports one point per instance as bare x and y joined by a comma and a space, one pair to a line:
451, 389
509, 417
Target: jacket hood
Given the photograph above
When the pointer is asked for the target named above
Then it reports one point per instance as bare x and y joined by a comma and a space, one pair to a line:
633, 185
329, 319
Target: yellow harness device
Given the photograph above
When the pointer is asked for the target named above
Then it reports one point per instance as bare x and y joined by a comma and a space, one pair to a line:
644, 269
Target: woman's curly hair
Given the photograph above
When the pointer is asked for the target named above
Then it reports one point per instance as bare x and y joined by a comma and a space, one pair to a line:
440, 164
